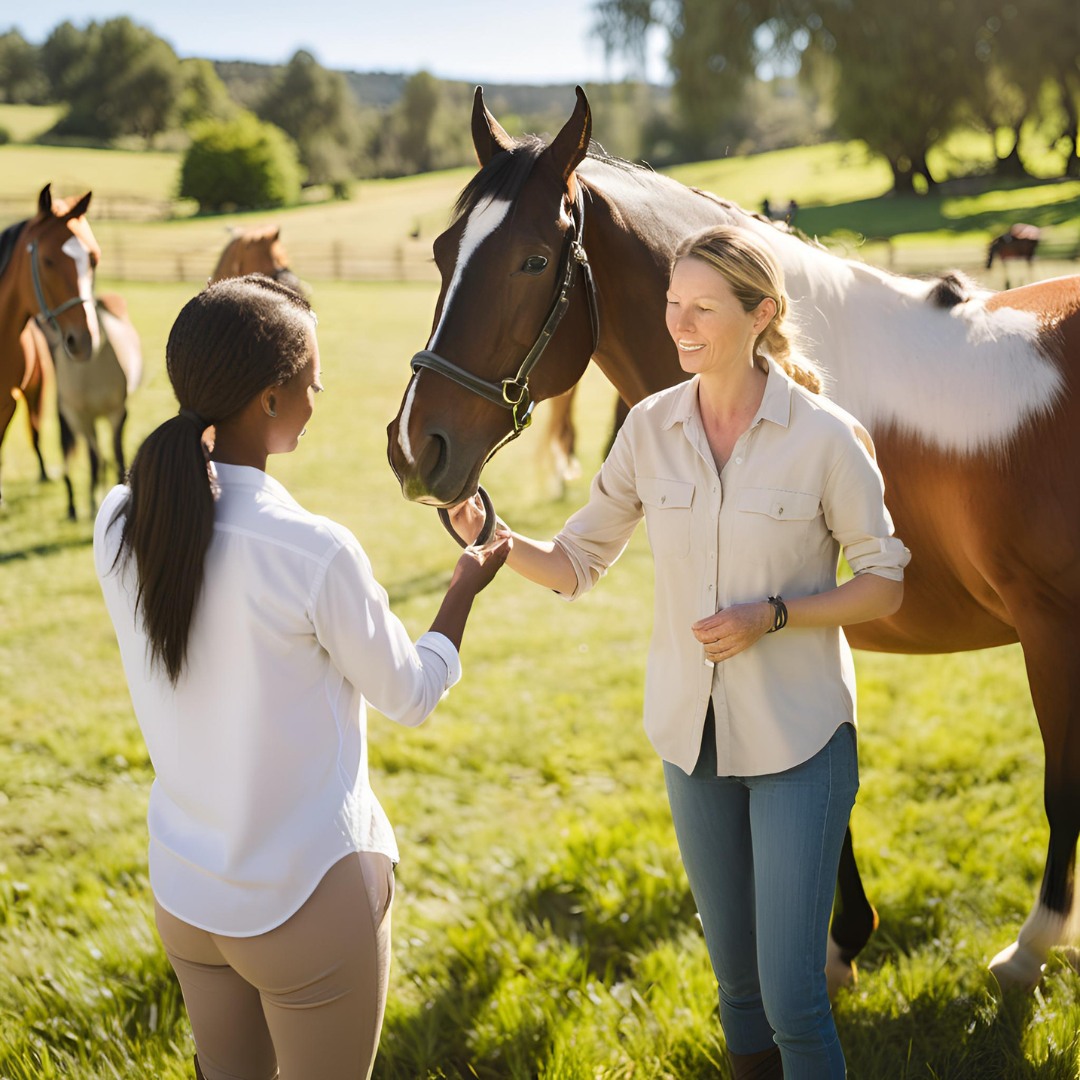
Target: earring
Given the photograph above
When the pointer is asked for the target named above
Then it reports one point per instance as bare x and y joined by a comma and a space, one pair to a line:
272, 411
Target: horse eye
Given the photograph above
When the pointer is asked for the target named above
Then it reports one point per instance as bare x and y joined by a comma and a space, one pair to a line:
534, 264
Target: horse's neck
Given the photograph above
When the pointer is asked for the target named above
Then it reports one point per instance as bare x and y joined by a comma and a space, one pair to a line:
963, 379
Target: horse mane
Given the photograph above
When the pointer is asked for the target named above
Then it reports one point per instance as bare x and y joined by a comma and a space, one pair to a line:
7, 242
950, 289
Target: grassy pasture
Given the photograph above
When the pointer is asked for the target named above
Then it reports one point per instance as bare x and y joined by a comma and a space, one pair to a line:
543, 925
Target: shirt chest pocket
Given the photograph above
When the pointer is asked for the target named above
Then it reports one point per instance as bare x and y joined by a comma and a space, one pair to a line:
667, 505
776, 514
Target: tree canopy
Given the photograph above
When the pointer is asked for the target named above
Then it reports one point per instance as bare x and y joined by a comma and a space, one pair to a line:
900, 75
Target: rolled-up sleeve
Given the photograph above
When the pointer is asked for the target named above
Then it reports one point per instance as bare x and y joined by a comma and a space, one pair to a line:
856, 514
597, 534
370, 646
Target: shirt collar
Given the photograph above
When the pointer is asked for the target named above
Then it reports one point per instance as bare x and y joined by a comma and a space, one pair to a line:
246, 476
775, 402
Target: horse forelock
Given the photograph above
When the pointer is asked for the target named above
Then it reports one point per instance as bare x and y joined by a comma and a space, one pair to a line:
501, 179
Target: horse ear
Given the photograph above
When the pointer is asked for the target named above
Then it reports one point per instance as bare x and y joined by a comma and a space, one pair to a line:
79, 208
44, 203
569, 147
276, 234
488, 135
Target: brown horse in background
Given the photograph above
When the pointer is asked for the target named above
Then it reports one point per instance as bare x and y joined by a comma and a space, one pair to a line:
46, 272
972, 399
257, 250
1020, 242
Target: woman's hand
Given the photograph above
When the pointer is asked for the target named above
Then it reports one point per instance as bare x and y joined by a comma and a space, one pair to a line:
467, 518
732, 630
477, 566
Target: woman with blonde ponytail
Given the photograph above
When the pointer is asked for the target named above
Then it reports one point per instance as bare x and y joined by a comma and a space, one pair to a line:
750, 485
253, 636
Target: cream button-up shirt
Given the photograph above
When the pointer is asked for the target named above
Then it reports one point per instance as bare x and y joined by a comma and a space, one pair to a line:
801, 484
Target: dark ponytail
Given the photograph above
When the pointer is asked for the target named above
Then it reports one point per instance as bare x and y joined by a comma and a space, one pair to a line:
228, 344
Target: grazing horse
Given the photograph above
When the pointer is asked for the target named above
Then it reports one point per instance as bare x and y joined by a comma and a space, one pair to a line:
99, 388
1020, 242
971, 398
257, 250
46, 271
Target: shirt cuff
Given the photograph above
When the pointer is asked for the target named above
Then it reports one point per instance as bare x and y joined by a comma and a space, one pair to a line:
444, 649
884, 556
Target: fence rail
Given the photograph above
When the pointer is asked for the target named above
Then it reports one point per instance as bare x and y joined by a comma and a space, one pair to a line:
131, 255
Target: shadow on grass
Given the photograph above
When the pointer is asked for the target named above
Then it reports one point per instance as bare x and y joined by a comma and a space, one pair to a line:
890, 216
958, 1038
53, 547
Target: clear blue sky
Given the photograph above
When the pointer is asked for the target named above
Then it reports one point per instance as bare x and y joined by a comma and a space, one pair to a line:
524, 41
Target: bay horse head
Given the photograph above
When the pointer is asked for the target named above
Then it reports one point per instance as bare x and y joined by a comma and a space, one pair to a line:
256, 250
515, 280
53, 268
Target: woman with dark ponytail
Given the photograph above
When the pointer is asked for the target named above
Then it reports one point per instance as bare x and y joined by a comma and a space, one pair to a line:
253, 636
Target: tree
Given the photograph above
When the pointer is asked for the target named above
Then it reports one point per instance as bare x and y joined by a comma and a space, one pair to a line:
900, 69
316, 109
21, 78
117, 78
203, 96
712, 54
418, 106
242, 164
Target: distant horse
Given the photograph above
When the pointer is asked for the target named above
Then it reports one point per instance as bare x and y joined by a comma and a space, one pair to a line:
86, 392
257, 250
46, 270
1020, 242
970, 396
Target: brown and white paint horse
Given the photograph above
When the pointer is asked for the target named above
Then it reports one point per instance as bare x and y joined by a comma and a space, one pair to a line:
971, 398
46, 271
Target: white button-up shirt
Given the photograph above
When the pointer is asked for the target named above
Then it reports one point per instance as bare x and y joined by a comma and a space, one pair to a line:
260, 750
801, 484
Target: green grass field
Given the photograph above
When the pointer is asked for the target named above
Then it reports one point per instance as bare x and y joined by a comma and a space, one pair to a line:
543, 926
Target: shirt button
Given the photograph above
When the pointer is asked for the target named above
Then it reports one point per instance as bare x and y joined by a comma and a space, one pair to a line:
738, 461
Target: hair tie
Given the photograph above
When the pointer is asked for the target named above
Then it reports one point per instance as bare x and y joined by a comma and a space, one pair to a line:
195, 418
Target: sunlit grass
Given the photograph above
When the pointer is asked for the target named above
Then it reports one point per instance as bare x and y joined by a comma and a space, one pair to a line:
543, 926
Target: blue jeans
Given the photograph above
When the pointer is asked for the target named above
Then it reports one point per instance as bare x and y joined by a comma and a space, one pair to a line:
761, 854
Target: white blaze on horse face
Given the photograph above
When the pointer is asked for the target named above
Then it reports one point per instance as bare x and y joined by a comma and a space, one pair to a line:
403, 421
483, 221
80, 256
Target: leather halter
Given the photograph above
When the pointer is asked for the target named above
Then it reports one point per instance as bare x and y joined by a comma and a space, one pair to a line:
47, 314
513, 392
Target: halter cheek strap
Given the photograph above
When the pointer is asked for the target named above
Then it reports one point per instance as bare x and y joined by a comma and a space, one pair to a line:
513, 392
47, 314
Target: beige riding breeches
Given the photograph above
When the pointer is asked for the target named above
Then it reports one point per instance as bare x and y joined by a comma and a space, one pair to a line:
303, 1000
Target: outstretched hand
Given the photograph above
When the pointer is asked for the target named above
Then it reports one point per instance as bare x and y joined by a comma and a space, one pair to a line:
476, 567
732, 630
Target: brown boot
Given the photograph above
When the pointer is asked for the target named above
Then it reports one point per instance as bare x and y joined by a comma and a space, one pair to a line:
765, 1065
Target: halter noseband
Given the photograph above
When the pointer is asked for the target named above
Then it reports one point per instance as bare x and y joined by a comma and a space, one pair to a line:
48, 314
513, 392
